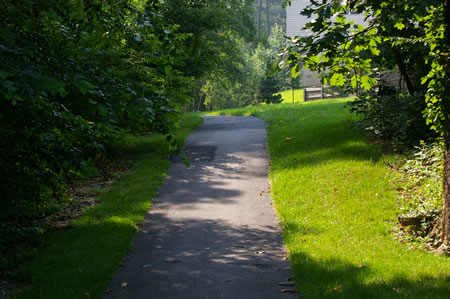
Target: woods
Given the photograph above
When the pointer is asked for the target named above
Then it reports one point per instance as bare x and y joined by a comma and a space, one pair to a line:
78, 76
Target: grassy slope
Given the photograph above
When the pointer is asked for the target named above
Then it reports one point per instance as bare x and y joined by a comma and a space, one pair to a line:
331, 191
77, 262
287, 96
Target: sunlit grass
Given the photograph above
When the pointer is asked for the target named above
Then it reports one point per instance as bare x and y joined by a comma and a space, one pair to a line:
78, 261
337, 209
287, 96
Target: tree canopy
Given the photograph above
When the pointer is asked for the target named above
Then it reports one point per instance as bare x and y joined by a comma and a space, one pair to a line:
78, 75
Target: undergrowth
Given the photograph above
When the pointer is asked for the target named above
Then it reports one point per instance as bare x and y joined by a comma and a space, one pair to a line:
78, 260
419, 184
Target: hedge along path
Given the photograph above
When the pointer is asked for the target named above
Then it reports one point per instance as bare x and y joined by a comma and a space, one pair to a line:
212, 231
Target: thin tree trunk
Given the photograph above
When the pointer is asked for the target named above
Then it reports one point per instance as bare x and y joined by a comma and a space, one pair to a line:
200, 100
292, 86
260, 16
267, 17
446, 209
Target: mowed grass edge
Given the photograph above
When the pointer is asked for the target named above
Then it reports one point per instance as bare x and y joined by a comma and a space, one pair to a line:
78, 261
337, 208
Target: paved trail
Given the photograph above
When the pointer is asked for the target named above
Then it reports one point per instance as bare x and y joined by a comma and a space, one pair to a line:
212, 231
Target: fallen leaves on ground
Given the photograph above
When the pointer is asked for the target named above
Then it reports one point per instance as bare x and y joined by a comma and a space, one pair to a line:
171, 260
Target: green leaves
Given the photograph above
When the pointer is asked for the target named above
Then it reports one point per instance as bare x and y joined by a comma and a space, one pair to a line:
53, 86
337, 79
314, 58
295, 71
399, 25
367, 82
9, 89
167, 69
73, 75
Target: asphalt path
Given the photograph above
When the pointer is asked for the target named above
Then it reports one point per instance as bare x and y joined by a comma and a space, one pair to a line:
212, 231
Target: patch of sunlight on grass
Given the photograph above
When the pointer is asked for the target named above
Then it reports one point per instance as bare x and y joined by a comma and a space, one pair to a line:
286, 96
81, 259
336, 207
121, 220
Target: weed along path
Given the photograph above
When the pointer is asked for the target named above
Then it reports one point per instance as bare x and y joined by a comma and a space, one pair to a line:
212, 231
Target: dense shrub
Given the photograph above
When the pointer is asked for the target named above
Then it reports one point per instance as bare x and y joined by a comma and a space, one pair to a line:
73, 75
268, 88
395, 118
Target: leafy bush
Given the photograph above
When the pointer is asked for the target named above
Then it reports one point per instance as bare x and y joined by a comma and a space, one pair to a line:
74, 74
268, 88
395, 118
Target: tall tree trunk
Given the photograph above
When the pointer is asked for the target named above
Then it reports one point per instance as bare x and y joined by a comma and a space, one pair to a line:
446, 209
260, 15
267, 16
402, 68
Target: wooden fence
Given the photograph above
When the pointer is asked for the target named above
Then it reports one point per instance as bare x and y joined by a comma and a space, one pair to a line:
320, 92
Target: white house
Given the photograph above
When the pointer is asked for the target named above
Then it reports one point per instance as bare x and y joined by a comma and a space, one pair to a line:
294, 20
295, 23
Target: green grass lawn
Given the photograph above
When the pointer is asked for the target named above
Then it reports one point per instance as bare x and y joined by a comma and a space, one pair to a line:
337, 209
287, 96
78, 261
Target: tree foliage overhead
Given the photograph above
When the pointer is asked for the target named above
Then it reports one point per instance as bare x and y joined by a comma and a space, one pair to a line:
212, 27
75, 74
409, 34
